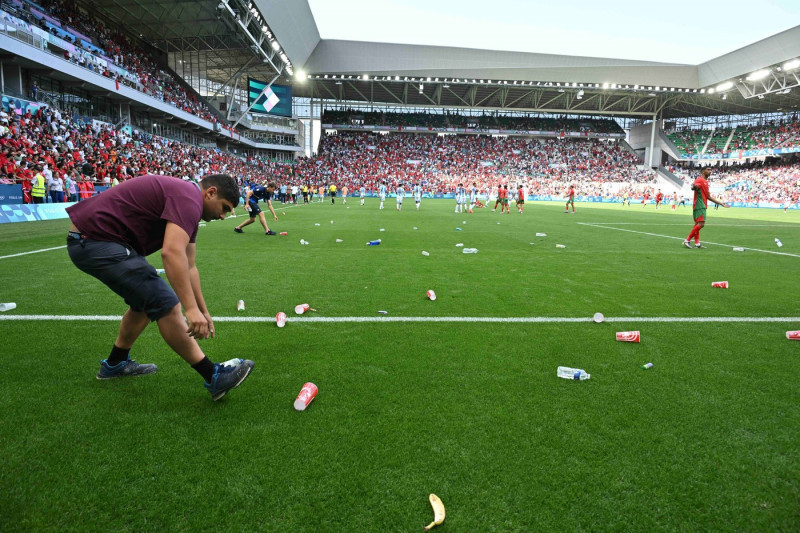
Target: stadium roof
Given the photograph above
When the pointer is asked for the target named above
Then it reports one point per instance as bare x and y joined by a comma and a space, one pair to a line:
352, 72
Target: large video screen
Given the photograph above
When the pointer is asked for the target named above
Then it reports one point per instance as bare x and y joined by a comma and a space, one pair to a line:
276, 101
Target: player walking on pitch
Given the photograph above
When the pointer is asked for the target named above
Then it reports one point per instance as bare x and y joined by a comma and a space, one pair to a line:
382, 193
400, 193
701, 197
570, 198
417, 194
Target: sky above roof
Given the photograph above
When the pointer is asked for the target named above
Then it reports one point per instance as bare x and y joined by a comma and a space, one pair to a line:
678, 31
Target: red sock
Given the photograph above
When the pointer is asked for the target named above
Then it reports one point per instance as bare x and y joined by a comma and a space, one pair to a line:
691, 234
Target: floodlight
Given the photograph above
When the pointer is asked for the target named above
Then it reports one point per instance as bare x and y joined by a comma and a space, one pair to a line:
605, 86
791, 65
365, 77
724, 86
725, 96
300, 75
276, 46
711, 90
758, 75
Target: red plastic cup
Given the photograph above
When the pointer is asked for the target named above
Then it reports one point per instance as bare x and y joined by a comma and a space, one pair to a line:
793, 335
628, 336
302, 308
431, 295
307, 393
719, 284
284, 233
280, 319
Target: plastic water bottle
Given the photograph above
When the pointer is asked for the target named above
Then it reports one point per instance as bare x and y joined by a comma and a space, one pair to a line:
470, 250
738, 249
7, 306
572, 373
374, 243
426, 254
646, 366
778, 242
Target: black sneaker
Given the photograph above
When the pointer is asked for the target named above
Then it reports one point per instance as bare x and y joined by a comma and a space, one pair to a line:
227, 376
698, 246
124, 369
238, 230
270, 232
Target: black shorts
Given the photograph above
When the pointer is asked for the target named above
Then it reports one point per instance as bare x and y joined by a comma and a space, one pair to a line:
126, 273
254, 209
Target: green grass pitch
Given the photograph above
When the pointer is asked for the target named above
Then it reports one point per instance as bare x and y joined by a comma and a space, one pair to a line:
706, 440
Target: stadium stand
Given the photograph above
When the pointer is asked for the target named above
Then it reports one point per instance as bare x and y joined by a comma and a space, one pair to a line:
782, 134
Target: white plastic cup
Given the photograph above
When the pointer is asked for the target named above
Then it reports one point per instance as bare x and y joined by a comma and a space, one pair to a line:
426, 254
560, 246
598, 317
8, 306
240, 305
541, 234
307, 394
280, 319
431, 295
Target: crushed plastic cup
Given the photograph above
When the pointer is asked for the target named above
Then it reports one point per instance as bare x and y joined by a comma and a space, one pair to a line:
302, 308
339, 240
7, 306
793, 335
560, 246
284, 233
541, 234
458, 229
646, 366
628, 336
459, 245
382, 229
598, 317
317, 224
469, 251
416, 228
303, 242
307, 394
280, 319
240, 305
383, 312
719, 284
463, 221
426, 254
431, 295
737, 249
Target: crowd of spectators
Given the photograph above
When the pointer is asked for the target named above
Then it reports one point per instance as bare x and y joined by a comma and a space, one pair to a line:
75, 157
440, 163
82, 156
141, 71
484, 122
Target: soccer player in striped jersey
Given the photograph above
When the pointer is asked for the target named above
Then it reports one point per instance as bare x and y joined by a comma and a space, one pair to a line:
473, 195
417, 194
461, 198
382, 193
401, 192
701, 197
363, 192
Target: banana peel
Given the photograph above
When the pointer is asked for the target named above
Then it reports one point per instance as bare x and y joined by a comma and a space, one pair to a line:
438, 512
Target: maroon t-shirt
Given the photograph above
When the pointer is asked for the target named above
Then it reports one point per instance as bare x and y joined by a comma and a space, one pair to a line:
135, 213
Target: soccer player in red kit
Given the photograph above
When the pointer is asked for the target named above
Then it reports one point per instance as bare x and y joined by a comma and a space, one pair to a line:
570, 198
645, 198
659, 197
499, 199
520, 199
701, 197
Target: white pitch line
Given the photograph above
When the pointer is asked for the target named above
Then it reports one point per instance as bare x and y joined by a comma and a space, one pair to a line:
480, 319
33, 252
682, 239
691, 224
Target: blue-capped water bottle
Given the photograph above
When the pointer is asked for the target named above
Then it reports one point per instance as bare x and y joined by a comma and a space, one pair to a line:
374, 243
572, 373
